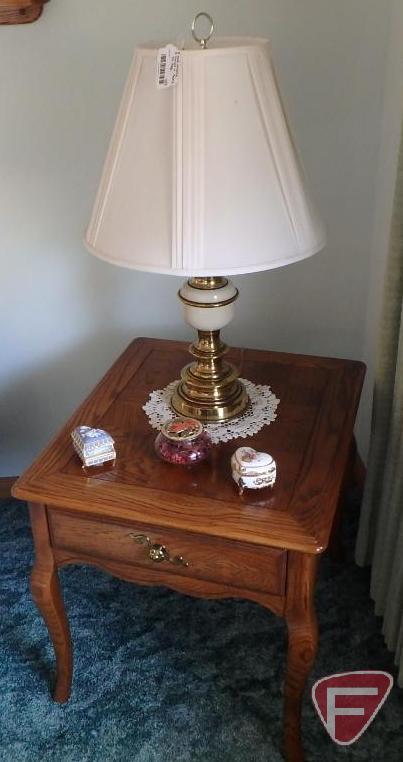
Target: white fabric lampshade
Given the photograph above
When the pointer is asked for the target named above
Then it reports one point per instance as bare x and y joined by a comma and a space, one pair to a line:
202, 178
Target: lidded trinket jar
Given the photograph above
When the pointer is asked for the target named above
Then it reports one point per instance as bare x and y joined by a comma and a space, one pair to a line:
183, 441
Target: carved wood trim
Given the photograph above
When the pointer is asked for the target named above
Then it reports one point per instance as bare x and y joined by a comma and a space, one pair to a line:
20, 11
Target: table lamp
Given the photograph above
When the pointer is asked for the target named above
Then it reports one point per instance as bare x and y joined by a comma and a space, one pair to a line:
202, 180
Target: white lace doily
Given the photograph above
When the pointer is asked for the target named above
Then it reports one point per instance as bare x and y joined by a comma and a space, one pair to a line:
260, 412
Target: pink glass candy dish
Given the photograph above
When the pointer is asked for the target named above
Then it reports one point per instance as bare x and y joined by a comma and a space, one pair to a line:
183, 441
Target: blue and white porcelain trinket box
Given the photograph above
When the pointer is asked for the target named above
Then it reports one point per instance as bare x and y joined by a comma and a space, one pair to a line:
93, 446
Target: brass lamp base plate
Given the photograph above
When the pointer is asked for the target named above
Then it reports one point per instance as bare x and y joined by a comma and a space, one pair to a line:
210, 410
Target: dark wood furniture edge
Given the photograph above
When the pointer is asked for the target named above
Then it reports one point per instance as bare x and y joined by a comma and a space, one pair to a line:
23, 12
6, 485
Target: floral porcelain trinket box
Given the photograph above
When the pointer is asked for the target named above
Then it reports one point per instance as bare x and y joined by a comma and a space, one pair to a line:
252, 469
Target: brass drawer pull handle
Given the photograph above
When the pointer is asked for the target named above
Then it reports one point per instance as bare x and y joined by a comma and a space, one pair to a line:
157, 552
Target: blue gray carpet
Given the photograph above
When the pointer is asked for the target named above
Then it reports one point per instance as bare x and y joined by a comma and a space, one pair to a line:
161, 677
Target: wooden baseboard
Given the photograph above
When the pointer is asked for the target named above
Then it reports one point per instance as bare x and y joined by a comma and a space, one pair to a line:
6, 482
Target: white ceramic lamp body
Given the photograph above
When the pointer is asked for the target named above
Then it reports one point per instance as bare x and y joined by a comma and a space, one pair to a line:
221, 301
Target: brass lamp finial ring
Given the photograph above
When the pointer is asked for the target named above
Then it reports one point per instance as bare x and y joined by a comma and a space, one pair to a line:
202, 40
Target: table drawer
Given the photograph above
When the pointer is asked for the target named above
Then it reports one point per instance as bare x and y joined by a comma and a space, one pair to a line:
239, 564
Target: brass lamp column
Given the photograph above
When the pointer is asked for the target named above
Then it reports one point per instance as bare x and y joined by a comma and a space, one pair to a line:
209, 389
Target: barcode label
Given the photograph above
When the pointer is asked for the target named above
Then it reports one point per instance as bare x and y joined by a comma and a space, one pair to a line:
168, 60
162, 69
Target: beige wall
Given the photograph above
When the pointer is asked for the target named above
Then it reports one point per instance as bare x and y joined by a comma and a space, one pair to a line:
64, 315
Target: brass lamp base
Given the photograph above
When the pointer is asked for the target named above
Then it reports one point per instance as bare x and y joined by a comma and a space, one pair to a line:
209, 389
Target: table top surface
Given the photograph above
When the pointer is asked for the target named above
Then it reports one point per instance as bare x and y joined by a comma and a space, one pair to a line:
310, 441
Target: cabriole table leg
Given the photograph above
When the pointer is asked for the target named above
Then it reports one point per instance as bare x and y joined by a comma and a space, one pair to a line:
302, 646
46, 593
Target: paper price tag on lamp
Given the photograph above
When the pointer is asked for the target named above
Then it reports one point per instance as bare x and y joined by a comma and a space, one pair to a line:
168, 61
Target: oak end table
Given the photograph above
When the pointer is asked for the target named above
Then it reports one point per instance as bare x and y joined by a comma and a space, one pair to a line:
200, 537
